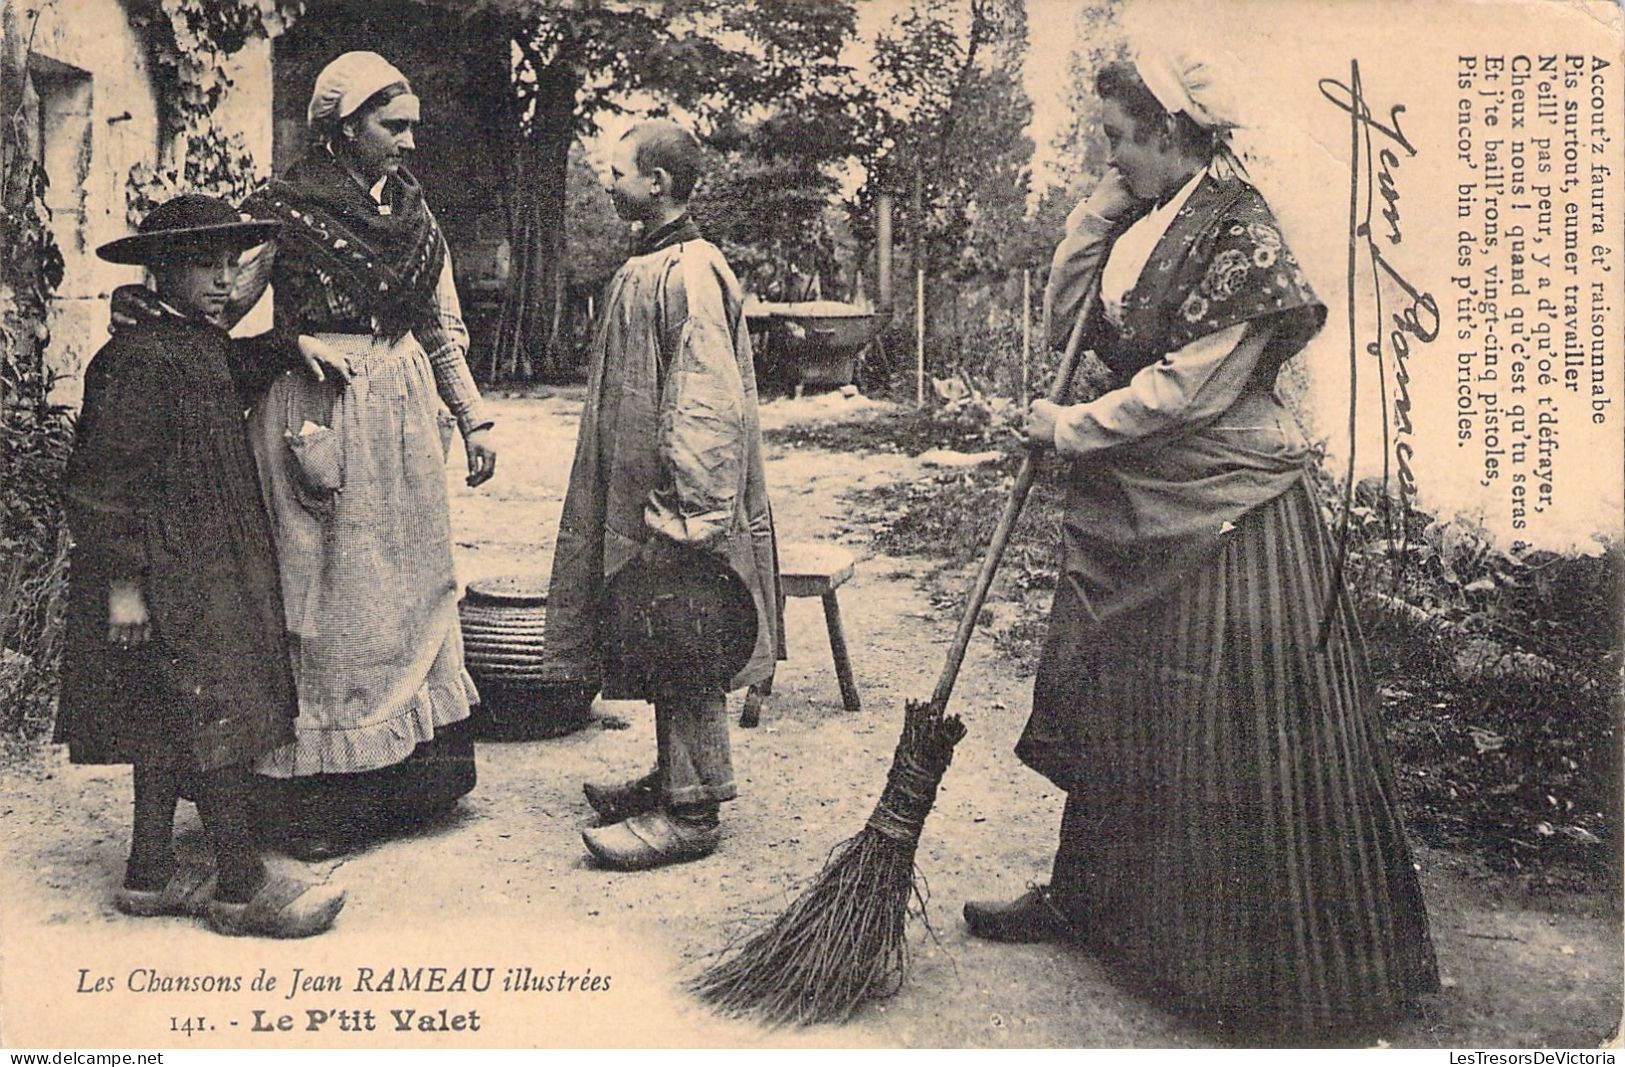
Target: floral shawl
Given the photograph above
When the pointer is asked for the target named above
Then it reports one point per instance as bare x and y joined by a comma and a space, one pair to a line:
1222, 261
1139, 518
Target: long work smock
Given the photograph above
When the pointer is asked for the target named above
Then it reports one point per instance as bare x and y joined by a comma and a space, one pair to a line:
669, 445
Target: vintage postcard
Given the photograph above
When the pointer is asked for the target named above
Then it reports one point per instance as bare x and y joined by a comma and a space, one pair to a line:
681, 366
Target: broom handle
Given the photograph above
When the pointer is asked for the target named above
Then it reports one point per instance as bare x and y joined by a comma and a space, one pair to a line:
1007, 522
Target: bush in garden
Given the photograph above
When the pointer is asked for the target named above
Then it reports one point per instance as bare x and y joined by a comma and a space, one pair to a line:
1502, 668
35, 437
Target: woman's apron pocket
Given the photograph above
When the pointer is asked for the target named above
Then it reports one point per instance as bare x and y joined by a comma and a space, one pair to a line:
315, 439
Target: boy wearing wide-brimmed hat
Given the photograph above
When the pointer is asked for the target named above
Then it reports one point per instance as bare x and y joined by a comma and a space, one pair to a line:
176, 659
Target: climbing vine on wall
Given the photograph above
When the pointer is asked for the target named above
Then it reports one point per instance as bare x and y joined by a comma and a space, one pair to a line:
34, 431
30, 271
191, 42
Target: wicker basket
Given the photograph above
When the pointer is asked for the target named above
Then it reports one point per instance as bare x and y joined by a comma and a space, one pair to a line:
504, 621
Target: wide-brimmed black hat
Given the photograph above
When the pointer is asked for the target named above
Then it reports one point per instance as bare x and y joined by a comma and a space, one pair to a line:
682, 623
187, 223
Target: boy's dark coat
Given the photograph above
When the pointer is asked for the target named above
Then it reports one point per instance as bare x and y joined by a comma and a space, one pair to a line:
162, 486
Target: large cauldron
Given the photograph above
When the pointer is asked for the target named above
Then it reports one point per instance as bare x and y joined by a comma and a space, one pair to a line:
812, 342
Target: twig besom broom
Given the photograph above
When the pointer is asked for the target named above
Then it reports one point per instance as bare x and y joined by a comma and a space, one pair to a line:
843, 942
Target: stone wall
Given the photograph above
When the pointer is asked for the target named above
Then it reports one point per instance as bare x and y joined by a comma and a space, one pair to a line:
98, 116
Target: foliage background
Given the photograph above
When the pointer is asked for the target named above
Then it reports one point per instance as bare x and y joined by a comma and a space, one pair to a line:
1501, 666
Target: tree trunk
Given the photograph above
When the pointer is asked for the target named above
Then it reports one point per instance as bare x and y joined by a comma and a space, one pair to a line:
530, 342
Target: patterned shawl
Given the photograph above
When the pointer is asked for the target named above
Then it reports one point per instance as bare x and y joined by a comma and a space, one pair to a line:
353, 267
1222, 261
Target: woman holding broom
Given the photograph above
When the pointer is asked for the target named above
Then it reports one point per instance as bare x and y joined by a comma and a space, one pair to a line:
1231, 831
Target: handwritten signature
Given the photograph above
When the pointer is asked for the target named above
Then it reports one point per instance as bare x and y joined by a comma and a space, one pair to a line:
1376, 151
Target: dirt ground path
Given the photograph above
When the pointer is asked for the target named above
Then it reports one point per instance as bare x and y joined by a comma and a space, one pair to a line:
503, 882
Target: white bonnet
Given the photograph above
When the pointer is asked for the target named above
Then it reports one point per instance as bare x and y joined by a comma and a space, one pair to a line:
1173, 65
347, 83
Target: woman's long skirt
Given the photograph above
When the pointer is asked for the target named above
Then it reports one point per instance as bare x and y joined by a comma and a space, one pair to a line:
354, 480
1232, 830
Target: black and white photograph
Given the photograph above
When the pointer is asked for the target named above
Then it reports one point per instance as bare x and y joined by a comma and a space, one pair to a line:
976, 524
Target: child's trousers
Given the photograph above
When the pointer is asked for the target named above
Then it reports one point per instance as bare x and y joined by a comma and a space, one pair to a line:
696, 764
222, 804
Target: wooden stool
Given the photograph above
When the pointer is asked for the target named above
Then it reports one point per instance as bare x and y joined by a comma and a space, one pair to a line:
813, 570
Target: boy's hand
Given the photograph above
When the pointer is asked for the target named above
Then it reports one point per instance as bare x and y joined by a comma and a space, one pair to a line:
482, 458
128, 623
131, 306
322, 359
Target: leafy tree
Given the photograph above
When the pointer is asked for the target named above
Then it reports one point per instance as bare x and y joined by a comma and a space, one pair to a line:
952, 150
1080, 148
596, 240
768, 200
34, 432
768, 218
715, 59
950, 115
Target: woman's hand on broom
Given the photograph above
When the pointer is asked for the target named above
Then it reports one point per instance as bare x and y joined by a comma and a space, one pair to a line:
1039, 430
322, 359
128, 622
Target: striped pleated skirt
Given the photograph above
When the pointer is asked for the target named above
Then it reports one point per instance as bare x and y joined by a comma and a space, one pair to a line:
1232, 831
